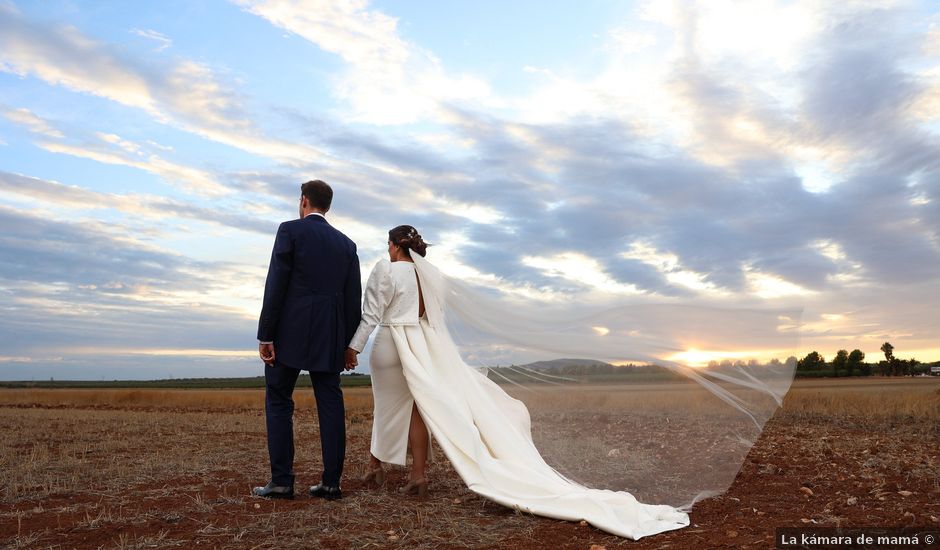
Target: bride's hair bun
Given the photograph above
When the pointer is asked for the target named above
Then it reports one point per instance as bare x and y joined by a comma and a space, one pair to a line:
408, 237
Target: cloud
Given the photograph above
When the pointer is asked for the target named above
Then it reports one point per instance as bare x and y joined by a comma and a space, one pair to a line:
162, 41
388, 79
186, 94
33, 123
126, 153
722, 193
109, 148
68, 286
153, 207
49, 252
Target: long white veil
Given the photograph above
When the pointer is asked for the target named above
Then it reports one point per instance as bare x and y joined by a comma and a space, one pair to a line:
661, 400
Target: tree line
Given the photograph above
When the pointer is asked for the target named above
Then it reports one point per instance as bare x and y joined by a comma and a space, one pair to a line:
846, 363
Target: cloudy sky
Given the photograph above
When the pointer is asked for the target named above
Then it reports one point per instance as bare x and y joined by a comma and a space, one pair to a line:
758, 153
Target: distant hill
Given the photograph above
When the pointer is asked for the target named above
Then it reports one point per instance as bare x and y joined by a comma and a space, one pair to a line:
558, 364
570, 370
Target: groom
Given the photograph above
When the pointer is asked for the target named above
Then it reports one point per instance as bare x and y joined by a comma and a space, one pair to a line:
311, 310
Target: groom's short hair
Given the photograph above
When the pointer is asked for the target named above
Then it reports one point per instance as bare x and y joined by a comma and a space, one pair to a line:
318, 193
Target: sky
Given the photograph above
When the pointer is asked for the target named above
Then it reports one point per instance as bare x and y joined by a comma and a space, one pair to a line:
742, 154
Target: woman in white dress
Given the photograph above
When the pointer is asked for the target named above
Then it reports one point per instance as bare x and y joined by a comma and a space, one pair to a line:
393, 298
419, 379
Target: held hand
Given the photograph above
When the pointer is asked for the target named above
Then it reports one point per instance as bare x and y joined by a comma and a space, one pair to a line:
351, 360
266, 351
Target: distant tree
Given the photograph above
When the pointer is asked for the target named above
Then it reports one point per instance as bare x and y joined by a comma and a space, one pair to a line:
839, 361
812, 361
910, 367
854, 361
884, 369
889, 367
888, 350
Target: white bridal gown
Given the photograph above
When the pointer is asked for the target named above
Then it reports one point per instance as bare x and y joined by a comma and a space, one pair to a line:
483, 431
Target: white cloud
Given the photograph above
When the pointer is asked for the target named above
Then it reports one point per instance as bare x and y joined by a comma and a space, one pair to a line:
388, 79
146, 211
771, 286
668, 264
127, 153
580, 269
830, 249
163, 42
187, 94
115, 139
32, 122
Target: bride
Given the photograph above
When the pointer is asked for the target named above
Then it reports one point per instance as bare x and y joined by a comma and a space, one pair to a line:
422, 385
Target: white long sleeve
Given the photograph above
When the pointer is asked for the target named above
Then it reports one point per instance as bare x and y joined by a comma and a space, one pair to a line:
377, 296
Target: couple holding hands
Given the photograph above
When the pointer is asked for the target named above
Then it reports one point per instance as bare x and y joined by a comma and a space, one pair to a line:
314, 317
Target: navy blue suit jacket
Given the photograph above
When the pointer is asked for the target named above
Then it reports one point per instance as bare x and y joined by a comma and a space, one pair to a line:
311, 296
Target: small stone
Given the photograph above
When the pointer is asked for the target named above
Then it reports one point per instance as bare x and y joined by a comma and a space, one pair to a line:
807, 491
908, 515
851, 501
935, 518
393, 537
598, 547
457, 501
257, 505
905, 493
613, 453
172, 518
583, 523
731, 534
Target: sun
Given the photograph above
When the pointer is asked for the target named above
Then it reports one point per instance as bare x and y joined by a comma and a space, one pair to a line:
694, 357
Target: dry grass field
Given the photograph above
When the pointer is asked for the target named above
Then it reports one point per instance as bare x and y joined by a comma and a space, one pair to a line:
173, 469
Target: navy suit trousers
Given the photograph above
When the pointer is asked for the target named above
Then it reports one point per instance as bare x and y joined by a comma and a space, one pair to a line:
279, 411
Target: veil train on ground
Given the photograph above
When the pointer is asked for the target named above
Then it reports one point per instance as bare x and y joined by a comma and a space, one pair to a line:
592, 414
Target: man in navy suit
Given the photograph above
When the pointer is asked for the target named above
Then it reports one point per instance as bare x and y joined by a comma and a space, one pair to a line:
311, 311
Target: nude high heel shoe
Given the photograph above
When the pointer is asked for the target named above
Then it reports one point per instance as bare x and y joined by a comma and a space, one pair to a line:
416, 486
377, 475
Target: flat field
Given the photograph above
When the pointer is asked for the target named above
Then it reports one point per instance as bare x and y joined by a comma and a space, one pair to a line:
158, 468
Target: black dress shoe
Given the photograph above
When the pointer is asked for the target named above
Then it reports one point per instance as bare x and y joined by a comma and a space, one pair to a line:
325, 491
273, 491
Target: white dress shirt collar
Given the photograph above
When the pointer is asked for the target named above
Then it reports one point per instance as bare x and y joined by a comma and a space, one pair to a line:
315, 214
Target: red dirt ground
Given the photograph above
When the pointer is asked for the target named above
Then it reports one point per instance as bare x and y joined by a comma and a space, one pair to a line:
805, 470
